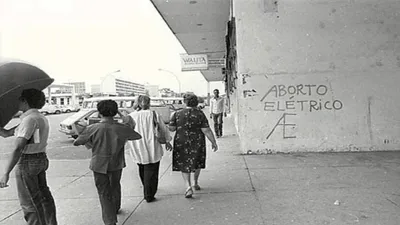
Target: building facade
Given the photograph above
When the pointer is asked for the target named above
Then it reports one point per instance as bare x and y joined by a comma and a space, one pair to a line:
306, 75
119, 86
80, 87
125, 87
62, 94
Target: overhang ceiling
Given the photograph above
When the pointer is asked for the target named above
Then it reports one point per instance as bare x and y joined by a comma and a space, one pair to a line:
200, 26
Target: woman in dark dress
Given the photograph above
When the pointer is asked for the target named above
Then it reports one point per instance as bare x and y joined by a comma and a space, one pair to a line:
189, 152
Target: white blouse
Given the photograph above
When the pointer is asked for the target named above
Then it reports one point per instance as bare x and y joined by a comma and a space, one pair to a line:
147, 149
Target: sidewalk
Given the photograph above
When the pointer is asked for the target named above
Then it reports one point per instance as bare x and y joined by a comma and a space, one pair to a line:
236, 189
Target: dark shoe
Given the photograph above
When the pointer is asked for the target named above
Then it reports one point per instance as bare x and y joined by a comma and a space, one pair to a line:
150, 199
197, 187
189, 192
119, 211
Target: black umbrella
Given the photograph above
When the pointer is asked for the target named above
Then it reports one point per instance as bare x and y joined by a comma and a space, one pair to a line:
16, 76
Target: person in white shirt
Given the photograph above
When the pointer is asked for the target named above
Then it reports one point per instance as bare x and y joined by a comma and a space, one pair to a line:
217, 111
147, 152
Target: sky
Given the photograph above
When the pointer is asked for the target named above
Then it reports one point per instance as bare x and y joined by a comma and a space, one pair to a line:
85, 40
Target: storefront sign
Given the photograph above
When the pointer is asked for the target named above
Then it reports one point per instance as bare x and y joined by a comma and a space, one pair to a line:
194, 62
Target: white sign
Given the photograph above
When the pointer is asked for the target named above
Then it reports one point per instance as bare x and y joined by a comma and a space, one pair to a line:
194, 62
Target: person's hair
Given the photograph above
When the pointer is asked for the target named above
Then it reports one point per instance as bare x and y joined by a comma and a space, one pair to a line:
34, 97
190, 100
143, 102
216, 90
107, 108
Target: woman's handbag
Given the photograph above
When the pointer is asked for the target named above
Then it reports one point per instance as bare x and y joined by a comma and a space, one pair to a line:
158, 133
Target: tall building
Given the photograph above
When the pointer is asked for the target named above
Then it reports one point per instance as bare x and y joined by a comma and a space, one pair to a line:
119, 86
127, 87
80, 87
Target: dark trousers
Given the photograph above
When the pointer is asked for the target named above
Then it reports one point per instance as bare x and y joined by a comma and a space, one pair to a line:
149, 175
34, 195
217, 117
109, 190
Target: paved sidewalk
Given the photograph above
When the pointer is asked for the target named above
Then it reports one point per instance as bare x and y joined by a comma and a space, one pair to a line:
276, 189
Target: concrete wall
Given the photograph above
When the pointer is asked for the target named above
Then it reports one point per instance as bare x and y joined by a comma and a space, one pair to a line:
318, 75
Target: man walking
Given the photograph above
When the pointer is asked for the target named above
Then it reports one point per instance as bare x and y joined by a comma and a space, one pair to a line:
217, 110
29, 154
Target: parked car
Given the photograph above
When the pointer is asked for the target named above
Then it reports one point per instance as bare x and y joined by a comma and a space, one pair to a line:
51, 109
76, 123
70, 108
127, 103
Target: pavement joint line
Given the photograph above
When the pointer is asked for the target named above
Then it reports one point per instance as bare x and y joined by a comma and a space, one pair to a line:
255, 192
12, 214
165, 171
137, 206
248, 173
394, 203
65, 185
303, 167
133, 211
69, 160
9, 200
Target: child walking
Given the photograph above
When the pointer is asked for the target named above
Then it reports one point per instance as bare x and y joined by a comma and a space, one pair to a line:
107, 140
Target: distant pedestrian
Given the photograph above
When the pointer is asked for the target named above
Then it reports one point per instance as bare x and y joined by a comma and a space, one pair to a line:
217, 111
189, 152
148, 151
29, 155
107, 140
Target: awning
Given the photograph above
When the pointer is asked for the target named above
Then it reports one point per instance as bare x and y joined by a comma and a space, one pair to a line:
200, 26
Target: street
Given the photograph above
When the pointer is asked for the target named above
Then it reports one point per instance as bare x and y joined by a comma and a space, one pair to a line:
59, 146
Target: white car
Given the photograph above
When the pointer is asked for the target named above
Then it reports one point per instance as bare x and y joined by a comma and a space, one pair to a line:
50, 109
69, 108
76, 123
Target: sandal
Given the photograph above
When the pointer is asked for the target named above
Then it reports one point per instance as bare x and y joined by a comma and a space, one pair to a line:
189, 192
197, 187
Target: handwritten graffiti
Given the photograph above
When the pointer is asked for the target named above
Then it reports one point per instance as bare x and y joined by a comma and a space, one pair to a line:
297, 98
299, 90
282, 122
249, 93
303, 105
292, 91
244, 77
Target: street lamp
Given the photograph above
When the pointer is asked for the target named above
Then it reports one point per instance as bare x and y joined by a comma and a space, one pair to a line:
104, 78
177, 78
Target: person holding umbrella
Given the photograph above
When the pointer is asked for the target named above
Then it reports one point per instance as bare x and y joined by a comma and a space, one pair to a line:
29, 157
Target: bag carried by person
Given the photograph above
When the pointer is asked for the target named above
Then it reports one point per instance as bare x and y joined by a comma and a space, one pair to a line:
158, 133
